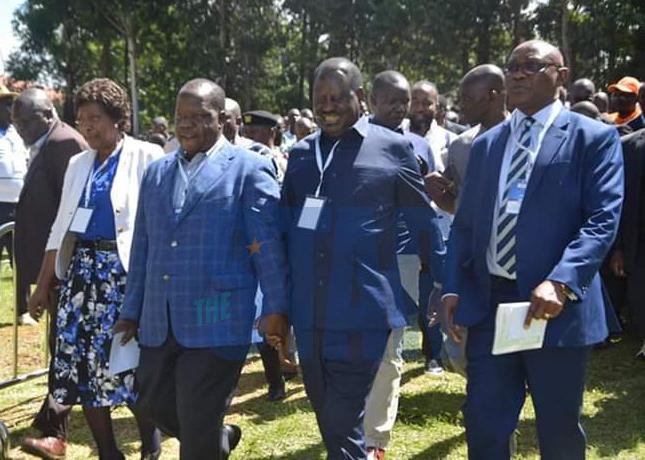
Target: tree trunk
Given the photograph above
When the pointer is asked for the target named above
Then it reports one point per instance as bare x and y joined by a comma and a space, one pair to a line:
303, 57
483, 33
565, 37
132, 66
516, 13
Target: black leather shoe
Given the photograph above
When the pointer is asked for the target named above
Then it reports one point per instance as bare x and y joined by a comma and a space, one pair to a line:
234, 434
151, 455
277, 393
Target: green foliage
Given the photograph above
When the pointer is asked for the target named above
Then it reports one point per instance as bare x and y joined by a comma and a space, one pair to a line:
264, 52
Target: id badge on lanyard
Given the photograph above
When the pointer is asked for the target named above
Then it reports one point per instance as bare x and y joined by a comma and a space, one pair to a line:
83, 214
516, 196
314, 204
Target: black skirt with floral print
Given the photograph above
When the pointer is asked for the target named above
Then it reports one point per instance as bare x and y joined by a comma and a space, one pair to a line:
90, 301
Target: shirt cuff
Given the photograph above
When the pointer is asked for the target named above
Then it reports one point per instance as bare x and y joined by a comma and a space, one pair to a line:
449, 294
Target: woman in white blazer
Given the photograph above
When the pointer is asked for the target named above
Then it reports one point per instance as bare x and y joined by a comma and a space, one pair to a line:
88, 249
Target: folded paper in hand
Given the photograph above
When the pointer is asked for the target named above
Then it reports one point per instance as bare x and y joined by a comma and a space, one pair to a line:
123, 357
510, 334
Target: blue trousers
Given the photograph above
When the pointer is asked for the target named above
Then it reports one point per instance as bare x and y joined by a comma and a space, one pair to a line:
497, 387
431, 339
338, 388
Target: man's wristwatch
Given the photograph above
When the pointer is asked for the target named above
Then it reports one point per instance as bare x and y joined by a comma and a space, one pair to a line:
567, 292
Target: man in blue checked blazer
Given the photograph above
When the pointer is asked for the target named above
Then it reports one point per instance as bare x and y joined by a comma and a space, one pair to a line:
206, 234
539, 211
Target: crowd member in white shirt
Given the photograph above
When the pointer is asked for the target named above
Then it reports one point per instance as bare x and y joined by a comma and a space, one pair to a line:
423, 109
13, 165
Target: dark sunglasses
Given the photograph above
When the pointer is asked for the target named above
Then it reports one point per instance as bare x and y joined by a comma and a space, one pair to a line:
528, 68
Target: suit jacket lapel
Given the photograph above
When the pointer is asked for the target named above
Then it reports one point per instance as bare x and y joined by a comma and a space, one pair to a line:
85, 163
209, 174
553, 140
166, 185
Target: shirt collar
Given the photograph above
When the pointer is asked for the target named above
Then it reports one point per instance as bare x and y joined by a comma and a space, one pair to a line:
361, 126
41, 140
116, 151
221, 142
399, 129
544, 117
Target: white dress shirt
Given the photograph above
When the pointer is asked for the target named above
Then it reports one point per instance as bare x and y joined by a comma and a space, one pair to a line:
34, 149
13, 165
543, 121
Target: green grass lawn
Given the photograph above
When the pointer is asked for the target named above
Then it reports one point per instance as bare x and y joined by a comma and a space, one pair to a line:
429, 426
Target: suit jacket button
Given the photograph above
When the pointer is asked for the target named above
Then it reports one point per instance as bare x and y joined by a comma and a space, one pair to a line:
118, 211
166, 277
173, 244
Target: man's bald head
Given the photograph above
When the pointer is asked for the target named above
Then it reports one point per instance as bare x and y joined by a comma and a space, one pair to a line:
35, 99
389, 79
487, 75
426, 86
545, 49
199, 113
390, 98
482, 95
601, 100
582, 89
337, 95
343, 66
232, 108
423, 106
209, 91
534, 72
303, 127
33, 113
586, 108
232, 119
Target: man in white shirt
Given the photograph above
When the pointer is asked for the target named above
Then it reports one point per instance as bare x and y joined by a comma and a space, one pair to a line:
423, 109
13, 165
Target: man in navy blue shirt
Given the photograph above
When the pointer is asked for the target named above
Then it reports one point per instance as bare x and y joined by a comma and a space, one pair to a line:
343, 193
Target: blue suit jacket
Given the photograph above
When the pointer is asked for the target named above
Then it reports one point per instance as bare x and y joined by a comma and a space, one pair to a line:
345, 275
193, 272
565, 227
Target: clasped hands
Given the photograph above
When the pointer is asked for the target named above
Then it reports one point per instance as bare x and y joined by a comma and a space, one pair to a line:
547, 302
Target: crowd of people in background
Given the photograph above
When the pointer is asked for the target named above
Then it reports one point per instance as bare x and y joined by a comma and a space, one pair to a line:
317, 235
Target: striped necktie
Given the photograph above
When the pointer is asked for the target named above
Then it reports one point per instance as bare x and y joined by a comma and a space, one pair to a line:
506, 221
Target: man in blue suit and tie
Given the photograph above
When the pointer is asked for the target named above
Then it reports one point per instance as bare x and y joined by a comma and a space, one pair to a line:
207, 233
540, 209
343, 191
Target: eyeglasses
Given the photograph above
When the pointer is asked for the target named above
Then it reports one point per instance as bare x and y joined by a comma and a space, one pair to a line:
528, 68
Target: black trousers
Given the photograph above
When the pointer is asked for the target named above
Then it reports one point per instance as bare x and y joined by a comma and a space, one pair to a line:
271, 364
186, 393
635, 295
53, 418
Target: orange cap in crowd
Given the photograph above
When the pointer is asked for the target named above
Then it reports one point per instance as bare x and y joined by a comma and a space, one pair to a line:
625, 85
